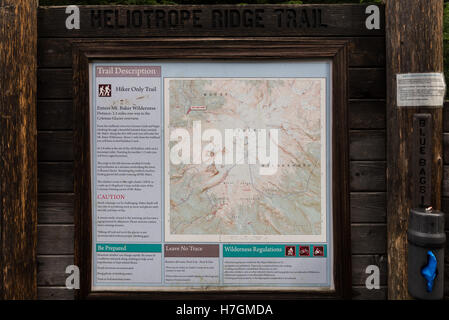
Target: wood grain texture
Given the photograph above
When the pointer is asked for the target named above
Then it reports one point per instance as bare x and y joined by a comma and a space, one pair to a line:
54, 84
446, 116
414, 31
55, 239
445, 185
362, 293
367, 83
368, 207
446, 147
445, 209
54, 114
18, 170
55, 146
363, 52
52, 269
55, 208
340, 20
445, 200
367, 176
446, 267
55, 293
367, 145
55, 177
367, 114
369, 239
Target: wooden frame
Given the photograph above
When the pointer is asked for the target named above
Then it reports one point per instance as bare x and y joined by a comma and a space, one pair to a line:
214, 48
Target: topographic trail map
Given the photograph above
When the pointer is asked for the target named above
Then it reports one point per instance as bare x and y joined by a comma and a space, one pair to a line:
211, 199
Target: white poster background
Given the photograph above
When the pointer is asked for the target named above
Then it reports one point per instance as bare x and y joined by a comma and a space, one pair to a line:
226, 69
420, 89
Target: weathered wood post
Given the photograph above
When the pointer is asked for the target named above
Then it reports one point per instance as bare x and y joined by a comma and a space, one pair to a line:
18, 160
414, 44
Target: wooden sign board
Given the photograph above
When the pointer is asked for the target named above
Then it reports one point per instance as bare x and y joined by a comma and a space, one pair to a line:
153, 212
217, 20
132, 96
422, 159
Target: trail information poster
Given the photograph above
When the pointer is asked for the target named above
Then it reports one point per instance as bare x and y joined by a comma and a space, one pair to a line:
210, 175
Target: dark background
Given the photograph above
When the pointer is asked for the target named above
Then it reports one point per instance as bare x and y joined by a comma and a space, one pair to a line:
243, 2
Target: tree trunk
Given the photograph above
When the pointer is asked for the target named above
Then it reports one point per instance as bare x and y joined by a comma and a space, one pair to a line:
414, 43
18, 160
